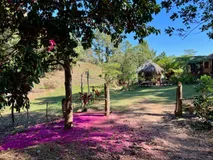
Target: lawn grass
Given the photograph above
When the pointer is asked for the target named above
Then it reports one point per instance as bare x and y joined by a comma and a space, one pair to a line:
120, 101
152, 94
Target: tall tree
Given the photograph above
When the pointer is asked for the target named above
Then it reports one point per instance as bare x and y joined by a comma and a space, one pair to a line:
104, 46
130, 58
104, 49
142, 53
189, 51
61, 22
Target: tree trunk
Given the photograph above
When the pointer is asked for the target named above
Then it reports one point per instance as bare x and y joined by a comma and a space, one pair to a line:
68, 123
107, 54
128, 85
107, 99
27, 115
179, 97
12, 114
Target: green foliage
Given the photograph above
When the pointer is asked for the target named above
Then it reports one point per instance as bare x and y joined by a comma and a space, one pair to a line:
85, 55
130, 58
66, 22
188, 79
205, 84
166, 62
203, 102
17, 78
40, 23
104, 47
141, 53
110, 71
3, 101
183, 78
176, 68
172, 62
20, 67
128, 67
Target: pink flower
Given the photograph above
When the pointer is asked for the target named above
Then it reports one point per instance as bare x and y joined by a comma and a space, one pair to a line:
52, 44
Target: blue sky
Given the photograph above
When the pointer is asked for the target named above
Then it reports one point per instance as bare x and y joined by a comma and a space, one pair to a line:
174, 45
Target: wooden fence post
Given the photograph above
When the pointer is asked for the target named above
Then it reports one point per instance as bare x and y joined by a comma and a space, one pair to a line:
12, 113
82, 89
107, 99
47, 111
179, 98
88, 82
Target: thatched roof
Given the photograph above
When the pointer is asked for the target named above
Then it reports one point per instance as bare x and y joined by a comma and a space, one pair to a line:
150, 67
198, 59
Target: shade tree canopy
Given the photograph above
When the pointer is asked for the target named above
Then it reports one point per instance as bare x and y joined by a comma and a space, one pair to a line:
54, 28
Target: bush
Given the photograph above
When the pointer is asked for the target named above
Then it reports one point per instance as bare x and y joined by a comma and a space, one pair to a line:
184, 79
188, 79
203, 103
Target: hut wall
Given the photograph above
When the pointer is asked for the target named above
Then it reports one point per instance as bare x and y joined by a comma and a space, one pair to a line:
148, 75
207, 67
152, 75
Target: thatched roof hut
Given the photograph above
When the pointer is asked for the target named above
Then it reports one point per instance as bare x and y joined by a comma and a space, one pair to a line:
150, 67
149, 70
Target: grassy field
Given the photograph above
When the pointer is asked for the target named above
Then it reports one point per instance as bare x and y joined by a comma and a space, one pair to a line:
120, 100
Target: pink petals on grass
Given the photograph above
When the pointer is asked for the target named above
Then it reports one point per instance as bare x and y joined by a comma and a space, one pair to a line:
52, 45
90, 128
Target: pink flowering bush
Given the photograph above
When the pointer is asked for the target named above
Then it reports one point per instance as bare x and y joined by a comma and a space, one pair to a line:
52, 45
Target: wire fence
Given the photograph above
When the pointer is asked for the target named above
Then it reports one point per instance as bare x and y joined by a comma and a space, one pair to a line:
47, 114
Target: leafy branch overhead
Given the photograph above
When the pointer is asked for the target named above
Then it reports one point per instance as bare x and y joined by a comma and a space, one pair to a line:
196, 15
49, 32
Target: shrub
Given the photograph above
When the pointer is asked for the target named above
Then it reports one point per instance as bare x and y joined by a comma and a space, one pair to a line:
184, 79
203, 102
188, 79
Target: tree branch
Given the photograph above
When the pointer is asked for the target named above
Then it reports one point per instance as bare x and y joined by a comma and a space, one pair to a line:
54, 62
192, 30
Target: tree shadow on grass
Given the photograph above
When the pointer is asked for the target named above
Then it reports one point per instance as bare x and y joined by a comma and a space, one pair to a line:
53, 99
121, 99
154, 94
159, 94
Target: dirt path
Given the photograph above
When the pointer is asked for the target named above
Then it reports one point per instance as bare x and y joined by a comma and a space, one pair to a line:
146, 131
169, 138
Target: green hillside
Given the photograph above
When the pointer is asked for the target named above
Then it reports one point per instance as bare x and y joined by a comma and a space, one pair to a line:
51, 87
55, 80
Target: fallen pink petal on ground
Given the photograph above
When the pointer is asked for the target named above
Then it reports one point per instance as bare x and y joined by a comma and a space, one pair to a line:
105, 135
